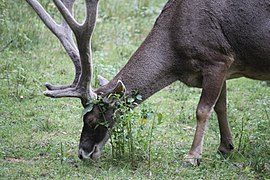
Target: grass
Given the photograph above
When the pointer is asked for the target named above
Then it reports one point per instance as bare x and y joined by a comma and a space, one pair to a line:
39, 136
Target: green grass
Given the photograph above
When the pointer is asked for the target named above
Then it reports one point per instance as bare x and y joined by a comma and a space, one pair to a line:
39, 136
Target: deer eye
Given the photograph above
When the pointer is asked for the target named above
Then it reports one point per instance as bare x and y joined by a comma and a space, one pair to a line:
91, 122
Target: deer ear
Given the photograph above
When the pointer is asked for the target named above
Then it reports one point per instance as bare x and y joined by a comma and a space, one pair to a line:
119, 88
115, 93
102, 80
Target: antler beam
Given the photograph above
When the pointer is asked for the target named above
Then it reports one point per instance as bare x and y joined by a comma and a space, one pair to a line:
81, 54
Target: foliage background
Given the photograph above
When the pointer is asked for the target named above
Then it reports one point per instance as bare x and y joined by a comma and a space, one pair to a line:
39, 136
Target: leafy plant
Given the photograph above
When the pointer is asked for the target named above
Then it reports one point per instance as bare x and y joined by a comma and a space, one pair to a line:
132, 134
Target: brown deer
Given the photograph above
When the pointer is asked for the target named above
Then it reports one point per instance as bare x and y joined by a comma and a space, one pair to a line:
201, 43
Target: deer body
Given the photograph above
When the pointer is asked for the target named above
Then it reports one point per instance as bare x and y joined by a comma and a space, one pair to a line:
201, 47
200, 43
191, 39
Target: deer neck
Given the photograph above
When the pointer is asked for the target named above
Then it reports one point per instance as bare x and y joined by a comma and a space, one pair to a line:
150, 68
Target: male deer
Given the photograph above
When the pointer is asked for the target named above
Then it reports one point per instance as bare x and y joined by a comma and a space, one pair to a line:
199, 42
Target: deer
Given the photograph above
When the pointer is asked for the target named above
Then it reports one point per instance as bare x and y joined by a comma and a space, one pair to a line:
202, 43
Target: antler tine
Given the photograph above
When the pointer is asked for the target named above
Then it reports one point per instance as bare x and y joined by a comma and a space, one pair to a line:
91, 12
44, 16
64, 34
67, 15
69, 5
83, 41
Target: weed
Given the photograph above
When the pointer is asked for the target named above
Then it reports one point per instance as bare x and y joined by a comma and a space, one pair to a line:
132, 133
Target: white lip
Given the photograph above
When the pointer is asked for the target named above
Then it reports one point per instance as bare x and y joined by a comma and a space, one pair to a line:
96, 152
86, 155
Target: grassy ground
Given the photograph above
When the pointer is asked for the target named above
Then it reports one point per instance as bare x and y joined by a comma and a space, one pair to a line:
39, 136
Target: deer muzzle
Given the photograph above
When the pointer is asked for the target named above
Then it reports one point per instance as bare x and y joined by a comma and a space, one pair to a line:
95, 153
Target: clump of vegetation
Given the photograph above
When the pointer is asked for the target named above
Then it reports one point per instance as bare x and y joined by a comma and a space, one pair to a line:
133, 132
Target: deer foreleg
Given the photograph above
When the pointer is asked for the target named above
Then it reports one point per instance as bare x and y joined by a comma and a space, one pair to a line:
226, 142
211, 88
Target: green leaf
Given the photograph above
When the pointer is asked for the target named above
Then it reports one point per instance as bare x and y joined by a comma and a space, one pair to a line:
160, 116
130, 100
143, 121
87, 109
139, 97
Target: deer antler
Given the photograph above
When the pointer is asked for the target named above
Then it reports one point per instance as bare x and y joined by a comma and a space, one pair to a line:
81, 54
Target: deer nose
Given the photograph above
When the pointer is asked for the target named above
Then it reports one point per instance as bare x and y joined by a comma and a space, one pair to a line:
80, 154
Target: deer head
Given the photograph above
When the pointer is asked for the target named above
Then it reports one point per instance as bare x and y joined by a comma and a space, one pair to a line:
99, 118
96, 120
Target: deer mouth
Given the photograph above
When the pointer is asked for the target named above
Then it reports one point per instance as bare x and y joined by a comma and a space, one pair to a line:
94, 154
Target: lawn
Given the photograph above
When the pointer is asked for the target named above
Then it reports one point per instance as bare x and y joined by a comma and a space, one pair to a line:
39, 136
